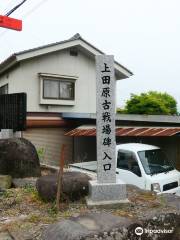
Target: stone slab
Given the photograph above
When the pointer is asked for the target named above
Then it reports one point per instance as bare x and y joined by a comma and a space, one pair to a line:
106, 193
6, 133
107, 204
85, 226
5, 181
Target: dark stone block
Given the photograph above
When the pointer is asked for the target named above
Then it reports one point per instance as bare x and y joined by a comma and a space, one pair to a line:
18, 158
75, 186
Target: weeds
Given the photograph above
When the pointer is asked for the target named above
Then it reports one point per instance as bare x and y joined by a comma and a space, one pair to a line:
34, 218
52, 211
7, 194
41, 153
32, 193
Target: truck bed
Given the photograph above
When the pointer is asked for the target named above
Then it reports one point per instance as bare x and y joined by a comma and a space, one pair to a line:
89, 166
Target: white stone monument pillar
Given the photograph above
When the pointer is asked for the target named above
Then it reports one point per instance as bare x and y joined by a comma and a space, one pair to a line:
105, 190
105, 120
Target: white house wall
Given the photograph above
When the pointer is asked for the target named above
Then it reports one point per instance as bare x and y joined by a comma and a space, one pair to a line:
5, 80
25, 79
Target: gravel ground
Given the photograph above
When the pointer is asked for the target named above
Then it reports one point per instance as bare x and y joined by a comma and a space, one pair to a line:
23, 215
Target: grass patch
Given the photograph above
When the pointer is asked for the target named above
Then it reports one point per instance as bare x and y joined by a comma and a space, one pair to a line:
34, 218
123, 213
8, 193
52, 211
31, 194
162, 200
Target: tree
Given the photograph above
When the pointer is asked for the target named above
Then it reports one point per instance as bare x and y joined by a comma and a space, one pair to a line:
151, 102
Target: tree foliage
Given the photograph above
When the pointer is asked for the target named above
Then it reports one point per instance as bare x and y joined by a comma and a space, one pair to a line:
151, 102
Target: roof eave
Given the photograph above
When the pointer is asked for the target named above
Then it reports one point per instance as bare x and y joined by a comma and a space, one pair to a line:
8, 63
120, 71
149, 118
127, 117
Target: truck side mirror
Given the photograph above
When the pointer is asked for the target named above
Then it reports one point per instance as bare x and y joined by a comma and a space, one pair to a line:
136, 170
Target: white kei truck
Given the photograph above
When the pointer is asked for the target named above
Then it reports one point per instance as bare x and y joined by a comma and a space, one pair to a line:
142, 165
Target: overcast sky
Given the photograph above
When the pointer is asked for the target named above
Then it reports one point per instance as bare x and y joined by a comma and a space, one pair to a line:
143, 35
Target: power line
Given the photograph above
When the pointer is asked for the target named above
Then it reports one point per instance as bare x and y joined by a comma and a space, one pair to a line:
15, 8
10, 5
27, 14
35, 8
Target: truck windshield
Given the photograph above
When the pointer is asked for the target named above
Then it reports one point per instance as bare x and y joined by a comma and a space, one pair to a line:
155, 161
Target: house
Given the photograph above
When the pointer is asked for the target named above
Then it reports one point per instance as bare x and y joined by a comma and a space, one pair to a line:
58, 78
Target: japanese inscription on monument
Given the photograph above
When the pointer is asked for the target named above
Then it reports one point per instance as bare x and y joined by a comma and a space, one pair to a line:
105, 119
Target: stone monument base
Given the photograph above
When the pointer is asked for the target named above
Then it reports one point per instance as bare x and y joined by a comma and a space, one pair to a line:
101, 194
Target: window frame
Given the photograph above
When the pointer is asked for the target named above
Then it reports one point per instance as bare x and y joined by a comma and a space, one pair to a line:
56, 101
59, 81
135, 160
4, 86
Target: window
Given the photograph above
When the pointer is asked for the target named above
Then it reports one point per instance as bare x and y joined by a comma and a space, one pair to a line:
58, 89
155, 161
4, 89
127, 161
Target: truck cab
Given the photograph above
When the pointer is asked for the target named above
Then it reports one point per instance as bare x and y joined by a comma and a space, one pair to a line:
142, 165
147, 167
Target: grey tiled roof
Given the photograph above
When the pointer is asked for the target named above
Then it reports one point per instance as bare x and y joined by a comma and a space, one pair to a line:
77, 36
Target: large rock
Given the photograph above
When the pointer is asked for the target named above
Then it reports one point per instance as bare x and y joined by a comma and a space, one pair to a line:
5, 236
5, 181
85, 227
18, 158
75, 186
93, 226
